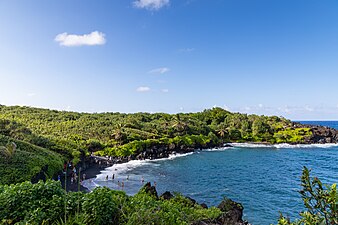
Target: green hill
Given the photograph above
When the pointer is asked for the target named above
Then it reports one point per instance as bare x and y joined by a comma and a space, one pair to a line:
75, 135
21, 161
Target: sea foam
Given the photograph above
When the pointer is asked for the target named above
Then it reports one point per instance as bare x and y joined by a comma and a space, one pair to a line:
123, 168
283, 145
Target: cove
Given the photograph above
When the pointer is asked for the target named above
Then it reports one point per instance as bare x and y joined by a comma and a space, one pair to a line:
265, 179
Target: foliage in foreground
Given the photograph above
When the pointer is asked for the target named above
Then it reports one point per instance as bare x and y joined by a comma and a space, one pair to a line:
48, 203
321, 202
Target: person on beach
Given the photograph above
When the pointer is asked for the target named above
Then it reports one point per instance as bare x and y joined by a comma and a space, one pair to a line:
122, 185
128, 177
113, 177
142, 179
107, 178
118, 183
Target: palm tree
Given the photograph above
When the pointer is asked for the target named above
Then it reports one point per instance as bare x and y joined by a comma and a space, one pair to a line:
9, 149
222, 132
179, 125
118, 134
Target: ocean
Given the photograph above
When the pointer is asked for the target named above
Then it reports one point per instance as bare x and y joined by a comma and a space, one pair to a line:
265, 179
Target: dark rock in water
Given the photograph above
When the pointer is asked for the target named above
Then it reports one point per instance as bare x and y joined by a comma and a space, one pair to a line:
228, 145
167, 195
147, 188
233, 212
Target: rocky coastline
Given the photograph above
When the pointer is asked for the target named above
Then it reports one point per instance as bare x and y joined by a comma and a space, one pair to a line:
320, 134
93, 165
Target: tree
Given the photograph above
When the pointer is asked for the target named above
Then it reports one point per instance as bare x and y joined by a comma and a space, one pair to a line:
321, 202
9, 149
179, 125
245, 128
118, 134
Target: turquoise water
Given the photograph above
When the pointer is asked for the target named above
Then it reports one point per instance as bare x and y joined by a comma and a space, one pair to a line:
266, 180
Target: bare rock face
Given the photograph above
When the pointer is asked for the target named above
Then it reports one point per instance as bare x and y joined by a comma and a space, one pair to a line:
320, 134
167, 195
324, 135
151, 190
232, 215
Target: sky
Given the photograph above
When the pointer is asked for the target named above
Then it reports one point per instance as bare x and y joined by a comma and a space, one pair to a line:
271, 57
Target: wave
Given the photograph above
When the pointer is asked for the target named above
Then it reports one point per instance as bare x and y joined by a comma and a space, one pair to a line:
90, 184
173, 156
123, 168
217, 149
282, 145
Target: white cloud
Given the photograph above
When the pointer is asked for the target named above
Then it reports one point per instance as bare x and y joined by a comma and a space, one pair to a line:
165, 90
70, 40
143, 89
161, 70
150, 4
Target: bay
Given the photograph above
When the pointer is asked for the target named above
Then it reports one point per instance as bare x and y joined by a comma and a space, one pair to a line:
265, 179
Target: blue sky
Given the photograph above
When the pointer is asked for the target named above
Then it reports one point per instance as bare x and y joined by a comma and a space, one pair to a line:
253, 56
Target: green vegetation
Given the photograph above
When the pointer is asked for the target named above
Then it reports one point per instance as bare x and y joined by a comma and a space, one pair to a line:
35, 142
72, 134
21, 161
321, 202
48, 203
46, 137
290, 135
44, 203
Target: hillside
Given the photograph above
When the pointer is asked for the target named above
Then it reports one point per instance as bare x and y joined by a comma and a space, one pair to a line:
140, 135
21, 161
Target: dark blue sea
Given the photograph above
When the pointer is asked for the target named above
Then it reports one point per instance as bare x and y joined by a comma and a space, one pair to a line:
266, 180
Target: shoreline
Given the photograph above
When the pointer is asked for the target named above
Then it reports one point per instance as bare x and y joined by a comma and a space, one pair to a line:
95, 169
91, 171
